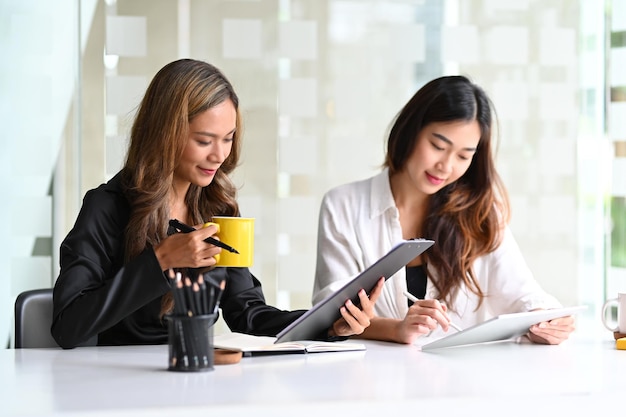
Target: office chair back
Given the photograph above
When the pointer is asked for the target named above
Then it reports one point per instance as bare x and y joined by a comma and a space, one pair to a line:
33, 319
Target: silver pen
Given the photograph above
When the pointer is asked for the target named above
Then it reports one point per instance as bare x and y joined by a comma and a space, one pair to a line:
413, 298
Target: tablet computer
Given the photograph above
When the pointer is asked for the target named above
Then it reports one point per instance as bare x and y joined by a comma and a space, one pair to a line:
502, 327
323, 314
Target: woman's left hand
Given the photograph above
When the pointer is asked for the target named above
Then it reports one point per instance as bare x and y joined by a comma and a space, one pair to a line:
354, 320
552, 332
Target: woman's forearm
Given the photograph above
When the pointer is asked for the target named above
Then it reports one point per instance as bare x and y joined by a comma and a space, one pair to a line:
383, 328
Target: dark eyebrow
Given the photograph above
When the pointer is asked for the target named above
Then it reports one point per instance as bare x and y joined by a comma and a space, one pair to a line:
449, 142
213, 135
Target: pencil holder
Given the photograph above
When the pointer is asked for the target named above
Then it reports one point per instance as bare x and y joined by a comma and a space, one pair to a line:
190, 342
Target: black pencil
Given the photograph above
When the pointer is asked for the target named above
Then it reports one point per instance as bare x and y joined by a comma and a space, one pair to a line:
211, 281
191, 310
199, 292
178, 302
183, 341
211, 297
175, 294
203, 295
188, 329
219, 296
213, 287
197, 298
181, 294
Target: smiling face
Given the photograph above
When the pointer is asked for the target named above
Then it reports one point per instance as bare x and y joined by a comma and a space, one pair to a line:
442, 154
209, 144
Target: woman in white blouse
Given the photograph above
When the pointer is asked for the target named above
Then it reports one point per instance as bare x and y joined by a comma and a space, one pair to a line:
439, 182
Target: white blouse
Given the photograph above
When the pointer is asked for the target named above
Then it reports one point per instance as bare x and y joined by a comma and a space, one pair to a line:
359, 223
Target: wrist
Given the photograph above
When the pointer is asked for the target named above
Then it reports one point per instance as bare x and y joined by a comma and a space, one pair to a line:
397, 331
161, 258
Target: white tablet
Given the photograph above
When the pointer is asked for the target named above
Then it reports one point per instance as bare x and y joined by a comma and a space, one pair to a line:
323, 314
502, 327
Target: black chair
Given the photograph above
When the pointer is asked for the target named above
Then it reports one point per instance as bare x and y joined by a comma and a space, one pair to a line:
33, 318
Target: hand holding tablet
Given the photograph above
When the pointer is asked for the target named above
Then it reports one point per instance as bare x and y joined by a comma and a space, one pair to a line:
322, 315
552, 332
502, 327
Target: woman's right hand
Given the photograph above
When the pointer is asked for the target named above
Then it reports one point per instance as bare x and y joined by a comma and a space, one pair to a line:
423, 317
187, 250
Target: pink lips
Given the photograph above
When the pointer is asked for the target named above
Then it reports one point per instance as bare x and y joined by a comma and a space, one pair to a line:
434, 180
208, 171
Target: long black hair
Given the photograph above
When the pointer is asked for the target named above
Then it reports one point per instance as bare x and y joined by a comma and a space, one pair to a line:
464, 218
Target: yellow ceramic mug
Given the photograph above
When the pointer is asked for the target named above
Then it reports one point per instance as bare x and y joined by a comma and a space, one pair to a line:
237, 232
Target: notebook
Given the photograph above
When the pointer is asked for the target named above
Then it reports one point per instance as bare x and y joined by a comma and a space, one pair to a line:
502, 327
323, 314
251, 345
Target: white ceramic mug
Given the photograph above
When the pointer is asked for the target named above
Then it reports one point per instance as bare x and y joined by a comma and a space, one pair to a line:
620, 302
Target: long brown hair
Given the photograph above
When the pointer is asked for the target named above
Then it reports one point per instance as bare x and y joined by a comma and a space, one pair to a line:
465, 218
180, 91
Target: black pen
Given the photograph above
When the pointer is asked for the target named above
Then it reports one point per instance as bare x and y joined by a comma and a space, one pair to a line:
186, 229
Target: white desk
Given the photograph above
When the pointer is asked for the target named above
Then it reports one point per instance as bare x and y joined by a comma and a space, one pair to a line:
388, 379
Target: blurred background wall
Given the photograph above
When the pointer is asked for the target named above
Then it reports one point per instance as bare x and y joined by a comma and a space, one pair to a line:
319, 83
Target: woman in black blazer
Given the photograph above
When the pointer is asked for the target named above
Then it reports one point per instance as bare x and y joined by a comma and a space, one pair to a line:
185, 141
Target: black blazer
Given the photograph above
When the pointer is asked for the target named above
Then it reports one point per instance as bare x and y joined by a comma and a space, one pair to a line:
97, 294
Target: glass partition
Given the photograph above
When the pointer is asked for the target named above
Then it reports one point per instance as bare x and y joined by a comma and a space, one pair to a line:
319, 83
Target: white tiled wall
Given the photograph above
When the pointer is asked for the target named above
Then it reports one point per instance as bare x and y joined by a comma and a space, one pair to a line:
319, 83
337, 72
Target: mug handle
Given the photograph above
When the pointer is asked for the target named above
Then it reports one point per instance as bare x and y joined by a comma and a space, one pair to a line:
605, 307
